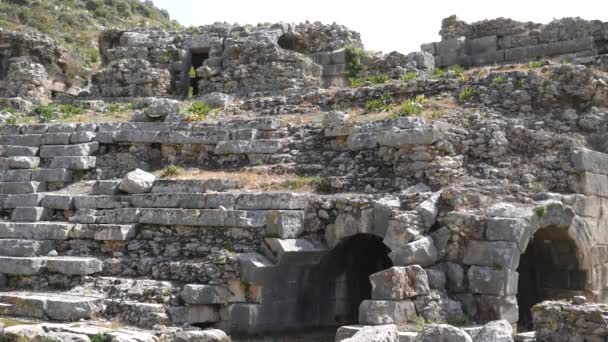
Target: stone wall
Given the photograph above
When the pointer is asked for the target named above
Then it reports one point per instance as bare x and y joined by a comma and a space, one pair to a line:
507, 41
242, 60
570, 321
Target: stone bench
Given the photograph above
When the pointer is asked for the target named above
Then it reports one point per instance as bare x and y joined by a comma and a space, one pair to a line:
61, 307
37, 265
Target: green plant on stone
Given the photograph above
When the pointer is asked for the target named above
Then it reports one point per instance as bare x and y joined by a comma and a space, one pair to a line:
439, 72
536, 64
170, 171
11, 110
45, 113
537, 187
540, 211
499, 79
466, 93
379, 105
378, 79
419, 322
101, 338
198, 111
114, 108
69, 110
11, 120
408, 76
519, 84
300, 182
458, 70
410, 108
355, 60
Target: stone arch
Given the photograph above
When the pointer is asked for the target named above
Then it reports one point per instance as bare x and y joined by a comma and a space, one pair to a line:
555, 262
344, 277
293, 41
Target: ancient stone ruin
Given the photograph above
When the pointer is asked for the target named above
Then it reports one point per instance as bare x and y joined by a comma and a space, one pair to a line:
471, 206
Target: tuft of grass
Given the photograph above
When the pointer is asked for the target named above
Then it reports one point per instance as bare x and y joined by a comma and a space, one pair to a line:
419, 322
101, 338
11, 120
301, 182
519, 84
411, 107
199, 111
499, 79
537, 187
170, 171
458, 71
11, 110
466, 93
439, 72
373, 79
69, 110
114, 108
379, 105
408, 76
45, 113
536, 64
540, 211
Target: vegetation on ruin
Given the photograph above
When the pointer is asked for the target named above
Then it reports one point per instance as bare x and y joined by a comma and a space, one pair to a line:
381, 104
355, 61
198, 111
540, 211
411, 107
373, 79
410, 75
76, 24
170, 171
536, 64
466, 93
101, 338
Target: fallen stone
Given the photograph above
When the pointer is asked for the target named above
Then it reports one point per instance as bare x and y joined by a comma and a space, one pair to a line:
419, 252
442, 333
378, 312
137, 181
381, 333
398, 283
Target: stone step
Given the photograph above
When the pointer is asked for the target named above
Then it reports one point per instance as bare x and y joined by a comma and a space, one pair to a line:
25, 248
193, 185
256, 268
38, 265
143, 315
36, 231
296, 251
268, 146
76, 150
38, 175
104, 232
73, 163
204, 217
9, 188
227, 200
53, 306
19, 163
30, 214
17, 151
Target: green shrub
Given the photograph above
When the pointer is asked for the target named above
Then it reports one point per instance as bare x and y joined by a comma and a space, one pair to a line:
11, 120
536, 64
356, 82
114, 108
46, 113
439, 72
541, 211
379, 105
466, 93
499, 79
199, 110
410, 108
458, 70
11, 110
101, 338
170, 171
410, 75
378, 79
70, 110
355, 60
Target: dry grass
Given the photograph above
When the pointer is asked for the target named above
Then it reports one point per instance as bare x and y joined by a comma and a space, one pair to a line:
260, 179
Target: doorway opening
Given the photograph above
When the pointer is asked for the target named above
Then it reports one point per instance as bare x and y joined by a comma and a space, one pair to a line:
197, 58
549, 269
344, 275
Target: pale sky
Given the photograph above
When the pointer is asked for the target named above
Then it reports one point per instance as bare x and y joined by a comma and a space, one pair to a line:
385, 25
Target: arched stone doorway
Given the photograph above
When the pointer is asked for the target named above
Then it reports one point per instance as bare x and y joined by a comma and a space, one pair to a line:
344, 277
292, 41
550, 268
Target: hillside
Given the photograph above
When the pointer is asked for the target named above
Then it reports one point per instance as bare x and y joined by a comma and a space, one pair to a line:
76, 23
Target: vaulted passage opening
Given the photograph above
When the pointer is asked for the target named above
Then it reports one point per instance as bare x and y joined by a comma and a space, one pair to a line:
197, 58
548, 270
344, 277
292, 41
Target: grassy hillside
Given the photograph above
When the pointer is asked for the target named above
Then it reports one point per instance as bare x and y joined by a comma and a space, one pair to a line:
76, 23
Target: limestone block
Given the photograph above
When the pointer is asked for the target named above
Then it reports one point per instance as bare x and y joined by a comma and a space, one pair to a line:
488, 57
73, 265
57, 201
498, 308
72, 308
285, 224
509, 229
203, 314
193, 185
382, 333
271, 200
321, 58
406, 137
206, 294
495, 331
23, 162
137, 181
73, 163
106, 187
33, 140
437, 278
98, 202
492, 253
23, 200
20, 304
20, 266
29, 214
338, 129
25, 248
269, 146
378, 312
590, 161
398, 283
428, 47
338, 56
349, 224
15, 175
18, 151
428, 210
77, 150
38, 230
362, 141
334, 69
56, 139
450, 46
296, 251
482, 45
115, 232
8, 188
61, 128
492, 281
81, 137
442, 333
162, 200
419, 252
347, 331
160, 107
207, 335
52, 175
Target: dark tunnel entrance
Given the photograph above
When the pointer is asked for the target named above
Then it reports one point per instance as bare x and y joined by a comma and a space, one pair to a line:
197, 58
344, 277
548, 270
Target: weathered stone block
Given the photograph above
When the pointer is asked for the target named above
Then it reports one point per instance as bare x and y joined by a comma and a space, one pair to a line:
20, 266
492, 281
450, 46
73, 265
206, 294
482, 45
398, 283
590, 161
338, 56
15, 175
25, 248
592, 184
56, 139
285, 224
33, 140
8, 188
16, 151
57, 201
405, 137
498, 307
115, 232
249, 146
77, 150
271, 200
37, 231
73, 163
492, 253
137, 181
52, 175
82, 137
377, 312
23, 200
23, 162
419, 252
508, 229
29, 214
